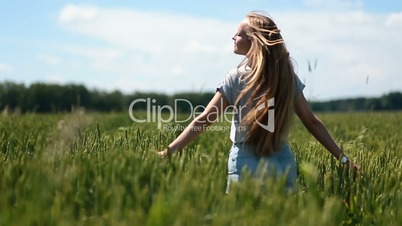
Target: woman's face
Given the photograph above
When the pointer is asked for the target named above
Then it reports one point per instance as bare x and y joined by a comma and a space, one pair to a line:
242, 43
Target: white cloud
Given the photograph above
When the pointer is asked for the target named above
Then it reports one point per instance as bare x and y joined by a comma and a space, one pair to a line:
171, 53
394, 19
109, 53
349, 47
149, 46
55, 78
5, 68
71, 13
148, 31
48, 59
195, 46
177, 70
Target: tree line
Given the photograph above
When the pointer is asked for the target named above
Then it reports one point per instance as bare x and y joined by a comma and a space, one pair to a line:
45, 98
388, 102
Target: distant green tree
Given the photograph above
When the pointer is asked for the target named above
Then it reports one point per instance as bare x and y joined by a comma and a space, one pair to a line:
144, 99
74, 95
392, 101
44, 97
11, 95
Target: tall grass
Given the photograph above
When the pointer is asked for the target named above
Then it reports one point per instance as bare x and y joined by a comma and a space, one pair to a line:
94, 169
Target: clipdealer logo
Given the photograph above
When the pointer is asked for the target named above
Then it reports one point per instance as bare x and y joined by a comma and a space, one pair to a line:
270, 126
164, 114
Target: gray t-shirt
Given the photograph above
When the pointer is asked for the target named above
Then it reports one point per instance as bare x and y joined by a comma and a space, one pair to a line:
231, 87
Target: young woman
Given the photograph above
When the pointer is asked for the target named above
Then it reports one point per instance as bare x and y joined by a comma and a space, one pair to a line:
265, 92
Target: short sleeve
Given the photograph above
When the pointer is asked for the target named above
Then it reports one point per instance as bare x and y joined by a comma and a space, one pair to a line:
226, 87
299, 86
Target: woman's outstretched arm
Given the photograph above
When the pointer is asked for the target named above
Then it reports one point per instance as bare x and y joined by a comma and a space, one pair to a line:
216, 106
316, 127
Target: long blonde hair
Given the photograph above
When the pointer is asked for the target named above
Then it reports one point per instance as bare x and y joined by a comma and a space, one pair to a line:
271, 76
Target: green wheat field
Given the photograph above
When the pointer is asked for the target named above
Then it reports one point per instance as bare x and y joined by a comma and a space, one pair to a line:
102, 169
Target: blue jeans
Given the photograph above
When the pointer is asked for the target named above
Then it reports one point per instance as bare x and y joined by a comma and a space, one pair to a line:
280, 163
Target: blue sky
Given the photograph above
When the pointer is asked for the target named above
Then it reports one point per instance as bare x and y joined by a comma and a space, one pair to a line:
176, 46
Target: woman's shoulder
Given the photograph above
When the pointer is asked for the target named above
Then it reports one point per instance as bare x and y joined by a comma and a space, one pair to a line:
237, 74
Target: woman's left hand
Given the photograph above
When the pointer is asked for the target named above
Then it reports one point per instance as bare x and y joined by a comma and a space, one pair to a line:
165, 153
